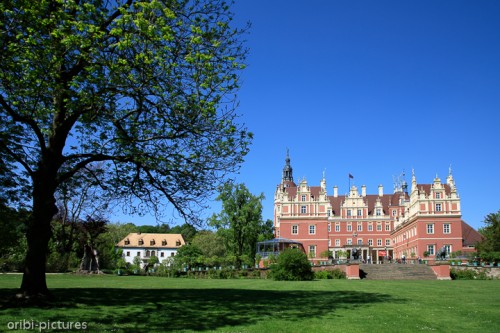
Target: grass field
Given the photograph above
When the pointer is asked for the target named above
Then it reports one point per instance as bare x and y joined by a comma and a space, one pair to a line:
153, 304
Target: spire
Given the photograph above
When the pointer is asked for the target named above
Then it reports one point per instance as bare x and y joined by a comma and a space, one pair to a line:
413, 181
287, 170
449, 180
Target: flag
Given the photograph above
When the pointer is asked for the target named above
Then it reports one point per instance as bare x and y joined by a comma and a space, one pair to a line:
351, 176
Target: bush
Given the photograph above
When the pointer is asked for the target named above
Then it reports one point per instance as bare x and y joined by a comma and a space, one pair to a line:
292, 265
467, 274
330, 274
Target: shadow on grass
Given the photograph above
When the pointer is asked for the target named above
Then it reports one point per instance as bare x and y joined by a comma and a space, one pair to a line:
196, 309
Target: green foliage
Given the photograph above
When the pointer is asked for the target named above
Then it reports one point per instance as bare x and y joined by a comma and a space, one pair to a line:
336, 274
135, 98
188, 231
211, 244
468, 274
188, 256
489, 248
292, 265
240, 221
153, 260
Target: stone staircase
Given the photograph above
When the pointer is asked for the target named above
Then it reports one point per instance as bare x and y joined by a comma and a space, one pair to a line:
396, 272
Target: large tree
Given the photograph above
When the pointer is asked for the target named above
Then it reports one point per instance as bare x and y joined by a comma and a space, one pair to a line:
139, 94
240, 221
489, 247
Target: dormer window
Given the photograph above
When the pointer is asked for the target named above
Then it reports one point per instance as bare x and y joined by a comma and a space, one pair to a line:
152, 242
178, 243
127, 241
164, 242
141, 242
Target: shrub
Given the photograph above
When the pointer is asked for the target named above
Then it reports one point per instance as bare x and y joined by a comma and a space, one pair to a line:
292, 265
330, 274
467, 274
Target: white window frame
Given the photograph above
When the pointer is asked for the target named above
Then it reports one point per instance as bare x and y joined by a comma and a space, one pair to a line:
312, 229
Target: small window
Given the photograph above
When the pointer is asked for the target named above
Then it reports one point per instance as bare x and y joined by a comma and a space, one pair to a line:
148, 253
360, 242
349, 212
295, 229
446, 228
360, 212
337, 242
172, 254
128, 253
387, 242
387, 227
139, 254
312, 251
303, 198
312, 230
438, 195
438, 207
370, 242
164, 242
153, 253
379, 242
303, 209
127, 241
378, 212
430, 249
337, 228
329, 227
162, 254
379, 227
152, 242
141, 242
394, 212
349, 228
177, 243
360, 227
430, 228
370, 227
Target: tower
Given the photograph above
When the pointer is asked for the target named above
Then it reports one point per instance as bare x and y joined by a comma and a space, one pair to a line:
287, 170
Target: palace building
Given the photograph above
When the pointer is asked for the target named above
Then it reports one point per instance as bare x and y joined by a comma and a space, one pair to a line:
372, 227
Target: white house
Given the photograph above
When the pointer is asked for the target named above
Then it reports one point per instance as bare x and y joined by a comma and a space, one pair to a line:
144, 246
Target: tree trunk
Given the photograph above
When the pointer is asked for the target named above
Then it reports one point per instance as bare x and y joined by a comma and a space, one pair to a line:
38, 235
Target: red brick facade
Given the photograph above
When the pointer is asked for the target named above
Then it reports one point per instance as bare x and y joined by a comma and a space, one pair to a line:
374, 226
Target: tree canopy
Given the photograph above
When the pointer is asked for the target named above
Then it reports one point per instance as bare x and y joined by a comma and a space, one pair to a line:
240, 221
489, 247
134, 97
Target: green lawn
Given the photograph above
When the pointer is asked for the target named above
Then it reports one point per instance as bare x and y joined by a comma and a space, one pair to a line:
154, 304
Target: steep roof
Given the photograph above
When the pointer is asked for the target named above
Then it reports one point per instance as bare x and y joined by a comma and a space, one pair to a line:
469, 235
152, 240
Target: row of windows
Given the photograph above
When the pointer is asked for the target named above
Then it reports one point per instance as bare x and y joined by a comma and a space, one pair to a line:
446, 228
312, 228
149, 254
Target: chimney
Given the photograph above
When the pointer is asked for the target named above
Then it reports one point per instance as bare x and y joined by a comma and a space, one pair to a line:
335, 191
380, 190
363, 190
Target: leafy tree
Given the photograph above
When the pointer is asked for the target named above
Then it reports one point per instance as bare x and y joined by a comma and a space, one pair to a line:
188, 231
188, 256
154, 229
240, 221
292, 265
210, 244
489, 247
139, 94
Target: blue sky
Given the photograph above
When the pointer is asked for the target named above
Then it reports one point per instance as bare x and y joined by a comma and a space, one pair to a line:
373, 88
